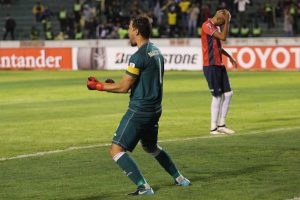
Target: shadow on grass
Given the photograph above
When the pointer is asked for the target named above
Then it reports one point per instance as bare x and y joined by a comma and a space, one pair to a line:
211, 176
96, 197
195, 176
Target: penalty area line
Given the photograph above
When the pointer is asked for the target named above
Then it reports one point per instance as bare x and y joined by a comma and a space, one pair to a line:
160, 141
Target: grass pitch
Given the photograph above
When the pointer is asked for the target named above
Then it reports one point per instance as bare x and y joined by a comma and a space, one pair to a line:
43, 111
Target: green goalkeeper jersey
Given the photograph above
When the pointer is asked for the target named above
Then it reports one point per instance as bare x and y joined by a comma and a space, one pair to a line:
147, 66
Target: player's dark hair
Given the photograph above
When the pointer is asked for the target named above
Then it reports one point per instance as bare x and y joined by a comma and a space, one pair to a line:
143, 25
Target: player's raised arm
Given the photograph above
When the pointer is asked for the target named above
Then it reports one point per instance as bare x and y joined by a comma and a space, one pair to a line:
222, 17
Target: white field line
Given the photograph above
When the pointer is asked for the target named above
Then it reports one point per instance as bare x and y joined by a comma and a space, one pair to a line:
295, 198
160, 141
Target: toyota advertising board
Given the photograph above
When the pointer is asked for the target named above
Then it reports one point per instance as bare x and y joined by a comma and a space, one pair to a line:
265, 57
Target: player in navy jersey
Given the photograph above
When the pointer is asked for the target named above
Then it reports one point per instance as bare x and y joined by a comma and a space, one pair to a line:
215, 71
144, 78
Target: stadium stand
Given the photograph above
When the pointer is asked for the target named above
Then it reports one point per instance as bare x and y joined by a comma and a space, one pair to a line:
110, 20
21, 11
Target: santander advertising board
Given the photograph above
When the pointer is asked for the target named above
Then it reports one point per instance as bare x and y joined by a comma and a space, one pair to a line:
36, 58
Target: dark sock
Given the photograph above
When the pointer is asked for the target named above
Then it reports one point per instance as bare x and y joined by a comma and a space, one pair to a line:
131, 170
165, 161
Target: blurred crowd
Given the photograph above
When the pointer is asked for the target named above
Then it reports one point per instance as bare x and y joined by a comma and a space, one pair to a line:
109, 19
89, 19
265, 13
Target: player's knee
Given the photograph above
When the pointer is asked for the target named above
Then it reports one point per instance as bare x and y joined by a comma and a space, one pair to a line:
115, 149
217, 98
149, 149
153, 150
228, 94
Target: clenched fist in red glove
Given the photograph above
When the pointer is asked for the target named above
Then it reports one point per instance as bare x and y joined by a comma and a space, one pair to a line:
93, 84
92, 78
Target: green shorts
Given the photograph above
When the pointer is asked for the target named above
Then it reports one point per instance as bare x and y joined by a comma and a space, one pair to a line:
137, 126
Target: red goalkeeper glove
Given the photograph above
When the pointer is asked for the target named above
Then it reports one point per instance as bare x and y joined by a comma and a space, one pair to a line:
93, 84
92, 78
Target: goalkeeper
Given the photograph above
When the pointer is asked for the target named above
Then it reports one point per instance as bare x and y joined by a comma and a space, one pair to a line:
144, 77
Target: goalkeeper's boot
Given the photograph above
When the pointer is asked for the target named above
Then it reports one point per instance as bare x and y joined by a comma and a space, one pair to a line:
216, 132
142, 190
182, 181
224, 129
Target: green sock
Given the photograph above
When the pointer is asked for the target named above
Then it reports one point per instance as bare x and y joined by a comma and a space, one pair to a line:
130, 169
165, 161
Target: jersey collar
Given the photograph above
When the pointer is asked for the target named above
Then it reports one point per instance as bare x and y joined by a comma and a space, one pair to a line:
209, 19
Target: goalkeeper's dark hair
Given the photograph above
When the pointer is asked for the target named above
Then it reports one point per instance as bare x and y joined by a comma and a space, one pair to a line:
143, 25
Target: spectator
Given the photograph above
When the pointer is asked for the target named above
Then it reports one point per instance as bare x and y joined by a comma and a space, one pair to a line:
47, 14
102, 31
61, 36
63, 19
269, 14
79, 34
71, 21
242, 10
170, 5
47, 23
245, 30
234, 30
298, 11
88, 20
122, 32
34, 33
222, 5
256, 30
259, 16
294, 13
279, 8
193, 18
134, 9
155, 31
10, 25
287, 3
158, 14
70, 33
7, 3
288, 23
298, 5
37, 11
199, 30
77, 9
49, 34
172, 22
113, 33
184, 6
205, 12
